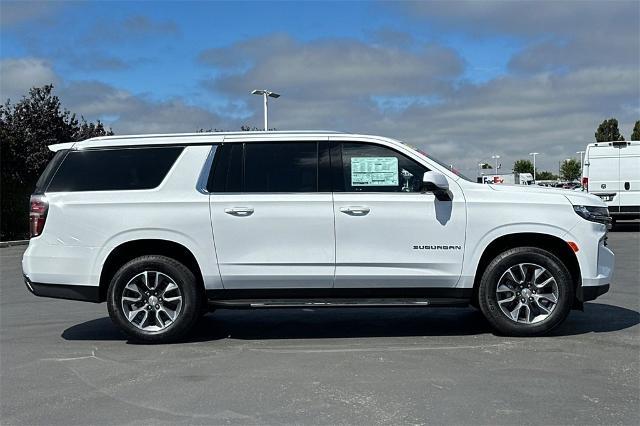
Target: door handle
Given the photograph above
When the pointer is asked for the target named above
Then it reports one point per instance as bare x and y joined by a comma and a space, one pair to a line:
239, 211
355, 210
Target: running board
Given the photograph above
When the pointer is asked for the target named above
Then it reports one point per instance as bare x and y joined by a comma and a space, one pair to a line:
336, 303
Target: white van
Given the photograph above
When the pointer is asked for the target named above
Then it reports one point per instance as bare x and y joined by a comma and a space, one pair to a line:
612, 172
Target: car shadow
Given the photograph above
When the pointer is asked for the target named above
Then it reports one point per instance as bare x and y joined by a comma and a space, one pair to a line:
327, 323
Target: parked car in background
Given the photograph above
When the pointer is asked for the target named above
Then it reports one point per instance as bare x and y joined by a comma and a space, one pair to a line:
508, 179
572, 185
612, 172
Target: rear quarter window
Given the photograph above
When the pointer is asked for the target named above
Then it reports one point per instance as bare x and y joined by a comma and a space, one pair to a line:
114, 169
50, 171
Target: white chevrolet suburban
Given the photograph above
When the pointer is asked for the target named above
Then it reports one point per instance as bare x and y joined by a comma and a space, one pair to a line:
166, 227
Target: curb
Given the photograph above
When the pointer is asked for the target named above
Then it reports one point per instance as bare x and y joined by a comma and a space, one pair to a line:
14, 243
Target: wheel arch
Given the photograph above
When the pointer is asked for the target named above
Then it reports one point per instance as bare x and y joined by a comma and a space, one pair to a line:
551, 243
129, 250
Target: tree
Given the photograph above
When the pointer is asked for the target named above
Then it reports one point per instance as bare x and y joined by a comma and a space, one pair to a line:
486, 166
26, 129
544, 175
523, 166
608, 131
570, 169
635, 136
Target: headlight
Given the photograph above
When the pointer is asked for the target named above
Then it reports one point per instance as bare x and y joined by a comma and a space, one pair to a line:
594, 214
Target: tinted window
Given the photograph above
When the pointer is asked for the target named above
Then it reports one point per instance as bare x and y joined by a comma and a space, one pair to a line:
374, 168
114, 169
49, 171
227, 169
281, 167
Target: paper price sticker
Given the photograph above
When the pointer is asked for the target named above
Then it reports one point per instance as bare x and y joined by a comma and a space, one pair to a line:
374, 171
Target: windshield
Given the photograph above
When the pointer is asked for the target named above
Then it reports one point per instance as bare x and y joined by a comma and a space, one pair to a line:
435, 160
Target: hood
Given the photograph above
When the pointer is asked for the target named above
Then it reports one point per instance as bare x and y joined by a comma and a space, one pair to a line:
577, 198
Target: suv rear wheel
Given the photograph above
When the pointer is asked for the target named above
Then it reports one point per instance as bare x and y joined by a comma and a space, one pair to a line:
154, 299
525, 291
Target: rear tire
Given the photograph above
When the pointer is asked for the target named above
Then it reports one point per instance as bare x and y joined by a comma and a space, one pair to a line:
154, 299
525, 291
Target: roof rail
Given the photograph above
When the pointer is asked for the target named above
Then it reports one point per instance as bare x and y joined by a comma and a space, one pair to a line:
196, 134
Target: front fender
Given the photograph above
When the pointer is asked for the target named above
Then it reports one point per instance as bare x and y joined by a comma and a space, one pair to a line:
474, 252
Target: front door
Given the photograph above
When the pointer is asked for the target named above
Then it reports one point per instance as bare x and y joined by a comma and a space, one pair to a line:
272, 216
388, 233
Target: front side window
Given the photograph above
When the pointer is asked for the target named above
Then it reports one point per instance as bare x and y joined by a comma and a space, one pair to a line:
375, 168
114, 169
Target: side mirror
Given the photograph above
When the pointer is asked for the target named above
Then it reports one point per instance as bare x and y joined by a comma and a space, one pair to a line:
436, 182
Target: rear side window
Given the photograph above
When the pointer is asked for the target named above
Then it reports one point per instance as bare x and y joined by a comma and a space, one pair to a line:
281, 167
270, 167
227, 169
114, 169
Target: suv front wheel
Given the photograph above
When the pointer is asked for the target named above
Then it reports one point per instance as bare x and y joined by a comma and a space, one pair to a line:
525, 291
154, 299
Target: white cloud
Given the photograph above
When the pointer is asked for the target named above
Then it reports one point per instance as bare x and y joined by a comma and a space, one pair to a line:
18, 12
380, 89
123, 111
333, 68
17, 76
527, 17
128, 113
578, 67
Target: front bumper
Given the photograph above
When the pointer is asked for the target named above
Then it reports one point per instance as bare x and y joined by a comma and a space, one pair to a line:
597, 272
83, 293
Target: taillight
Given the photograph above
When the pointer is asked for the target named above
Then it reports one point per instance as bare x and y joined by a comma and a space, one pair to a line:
585, 182
37, 214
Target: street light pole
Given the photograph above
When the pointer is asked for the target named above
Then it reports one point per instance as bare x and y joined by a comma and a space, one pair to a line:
534, 165
266, 111
496, 157
581, 153
265, 95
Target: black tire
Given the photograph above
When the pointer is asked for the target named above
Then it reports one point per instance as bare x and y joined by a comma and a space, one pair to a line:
488, 300
188, 314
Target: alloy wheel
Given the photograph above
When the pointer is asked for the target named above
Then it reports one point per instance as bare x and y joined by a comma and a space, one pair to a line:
151, 301
527, 293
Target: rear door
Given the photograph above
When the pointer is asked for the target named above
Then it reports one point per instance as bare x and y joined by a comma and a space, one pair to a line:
272, 215
604, 173
389, 233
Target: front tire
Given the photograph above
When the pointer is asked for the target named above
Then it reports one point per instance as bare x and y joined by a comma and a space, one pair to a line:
154, 299
525, 291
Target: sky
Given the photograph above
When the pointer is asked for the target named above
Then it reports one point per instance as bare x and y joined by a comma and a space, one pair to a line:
462, 80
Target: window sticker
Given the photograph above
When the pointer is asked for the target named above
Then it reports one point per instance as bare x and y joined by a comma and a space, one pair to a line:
374, 171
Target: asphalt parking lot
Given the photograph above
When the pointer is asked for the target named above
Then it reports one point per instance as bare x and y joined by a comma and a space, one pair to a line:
64, 363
